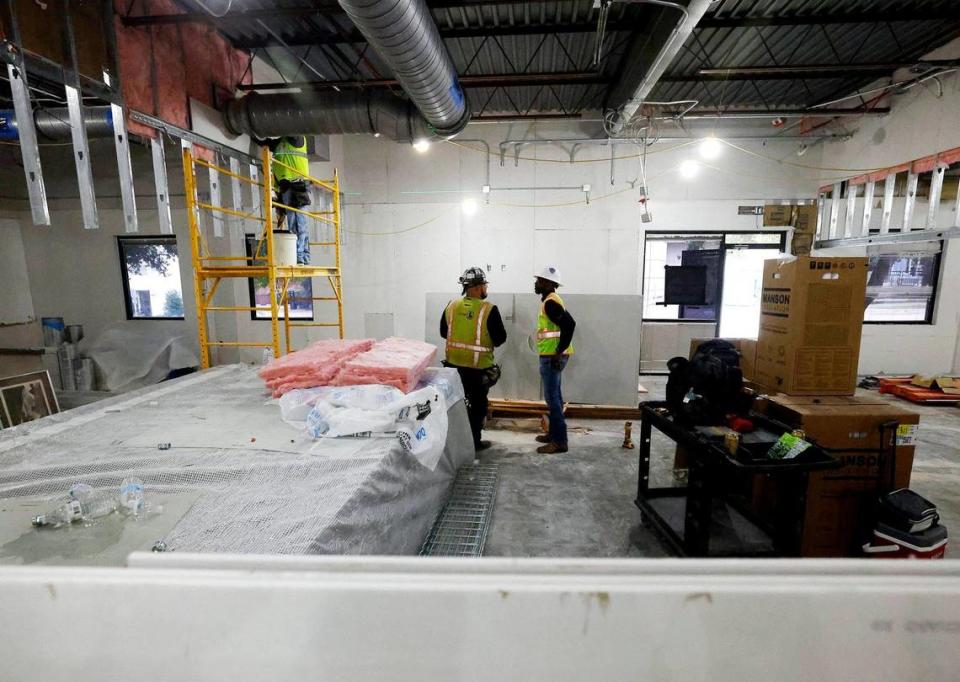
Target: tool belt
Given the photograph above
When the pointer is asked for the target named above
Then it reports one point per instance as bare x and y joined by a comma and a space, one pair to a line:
489, 376
299, 192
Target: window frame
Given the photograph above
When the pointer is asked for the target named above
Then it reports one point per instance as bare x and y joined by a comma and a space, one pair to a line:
929, 318
249, 242
722, 234
125, 276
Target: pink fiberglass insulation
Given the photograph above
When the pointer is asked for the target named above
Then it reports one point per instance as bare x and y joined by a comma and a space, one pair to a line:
316, 365
392, 362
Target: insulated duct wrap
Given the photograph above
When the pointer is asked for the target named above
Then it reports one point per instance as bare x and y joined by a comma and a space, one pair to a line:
404, 34
265, 116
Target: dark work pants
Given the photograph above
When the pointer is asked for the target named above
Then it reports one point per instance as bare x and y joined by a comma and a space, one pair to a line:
476, 394
552, 395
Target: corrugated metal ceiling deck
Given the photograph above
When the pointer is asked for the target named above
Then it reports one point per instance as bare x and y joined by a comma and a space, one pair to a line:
491, 49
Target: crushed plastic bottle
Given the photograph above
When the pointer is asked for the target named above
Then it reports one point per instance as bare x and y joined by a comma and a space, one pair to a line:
80, 490
88, 505
131, 496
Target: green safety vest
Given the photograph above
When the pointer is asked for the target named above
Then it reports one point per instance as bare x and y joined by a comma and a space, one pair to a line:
468, 340
548, 334
295, 157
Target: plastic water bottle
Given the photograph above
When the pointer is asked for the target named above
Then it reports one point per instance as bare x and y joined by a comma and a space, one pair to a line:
90, 505
78, 491
131, 496
317, 420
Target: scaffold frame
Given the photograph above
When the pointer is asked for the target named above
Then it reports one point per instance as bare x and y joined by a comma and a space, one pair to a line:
210, 269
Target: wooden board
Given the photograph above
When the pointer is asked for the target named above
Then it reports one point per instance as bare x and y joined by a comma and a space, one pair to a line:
573, 410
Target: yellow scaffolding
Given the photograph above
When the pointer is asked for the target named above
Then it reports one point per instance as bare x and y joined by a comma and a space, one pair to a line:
209, 269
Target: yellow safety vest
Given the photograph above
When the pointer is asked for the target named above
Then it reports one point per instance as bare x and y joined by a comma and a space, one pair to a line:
548, 333
295, 157
468, 340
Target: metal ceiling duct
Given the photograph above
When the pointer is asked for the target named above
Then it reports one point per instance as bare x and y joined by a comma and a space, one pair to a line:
344, 113
54, 123
405, 36
647, 59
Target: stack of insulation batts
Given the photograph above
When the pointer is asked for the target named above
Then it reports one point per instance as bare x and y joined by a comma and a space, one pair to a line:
347, 362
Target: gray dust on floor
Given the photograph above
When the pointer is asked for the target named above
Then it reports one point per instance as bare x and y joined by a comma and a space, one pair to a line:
580, 503
575, 504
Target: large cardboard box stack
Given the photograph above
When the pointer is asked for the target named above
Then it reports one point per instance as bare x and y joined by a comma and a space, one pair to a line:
746, 347
811, 317
840, 502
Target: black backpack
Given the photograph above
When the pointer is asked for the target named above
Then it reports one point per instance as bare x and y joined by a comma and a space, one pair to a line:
706, 388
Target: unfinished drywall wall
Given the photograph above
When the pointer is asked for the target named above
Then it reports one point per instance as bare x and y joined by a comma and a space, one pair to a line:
923, 121
406, 233
75, 273
16, 303
604, 367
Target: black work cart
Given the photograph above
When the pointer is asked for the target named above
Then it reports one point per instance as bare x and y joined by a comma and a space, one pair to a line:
684, 516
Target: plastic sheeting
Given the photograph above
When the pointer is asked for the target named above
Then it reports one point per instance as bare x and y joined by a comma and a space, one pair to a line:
128, 357
262, 486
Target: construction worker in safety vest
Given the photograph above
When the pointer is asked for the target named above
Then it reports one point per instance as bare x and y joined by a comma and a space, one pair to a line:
290, 169
555, 328
473, 328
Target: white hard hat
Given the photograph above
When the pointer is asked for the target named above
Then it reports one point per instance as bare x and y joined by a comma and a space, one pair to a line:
552, 273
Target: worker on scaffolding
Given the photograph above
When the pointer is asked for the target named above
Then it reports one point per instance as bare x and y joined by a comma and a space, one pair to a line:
555, 328
473, 328
292, 188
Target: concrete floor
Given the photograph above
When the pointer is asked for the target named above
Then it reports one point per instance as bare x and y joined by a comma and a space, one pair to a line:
580, 503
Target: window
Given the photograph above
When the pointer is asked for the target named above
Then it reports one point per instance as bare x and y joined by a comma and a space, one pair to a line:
902, 287
672, 250
299, 291
724, 270
151, 278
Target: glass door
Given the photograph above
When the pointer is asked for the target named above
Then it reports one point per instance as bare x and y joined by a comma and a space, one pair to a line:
744, 255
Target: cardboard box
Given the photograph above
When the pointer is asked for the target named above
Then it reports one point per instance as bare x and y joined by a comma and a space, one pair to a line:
947, 384
778, 215
801, 244
839, 504
811, 318
746, 347
805, 219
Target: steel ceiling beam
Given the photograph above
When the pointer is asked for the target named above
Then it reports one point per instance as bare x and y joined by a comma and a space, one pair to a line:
352, 36
467, 81
878, 17
801, 71
707, 22
318, 7
776, 113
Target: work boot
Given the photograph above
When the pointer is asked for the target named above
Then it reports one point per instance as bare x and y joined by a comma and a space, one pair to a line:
551, 449
543, 438
484, 445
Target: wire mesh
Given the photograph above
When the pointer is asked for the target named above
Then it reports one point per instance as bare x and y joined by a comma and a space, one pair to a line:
461, 528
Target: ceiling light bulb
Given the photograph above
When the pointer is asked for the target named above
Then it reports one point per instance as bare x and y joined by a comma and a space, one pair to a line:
469, 206
421, 145
689, 169
710, 147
